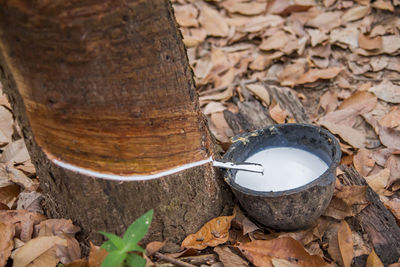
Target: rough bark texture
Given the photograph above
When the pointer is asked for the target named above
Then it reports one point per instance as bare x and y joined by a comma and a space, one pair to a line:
105, 85
252, 115
376, 221
288, 100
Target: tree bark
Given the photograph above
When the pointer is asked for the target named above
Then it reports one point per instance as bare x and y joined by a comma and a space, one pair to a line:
104, 89
375, 220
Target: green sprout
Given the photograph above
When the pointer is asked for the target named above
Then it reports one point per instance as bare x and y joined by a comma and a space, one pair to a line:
118, 248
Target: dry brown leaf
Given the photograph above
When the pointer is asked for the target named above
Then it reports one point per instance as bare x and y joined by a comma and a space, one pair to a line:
355, 13
277, 41
390, 44
363, 161
225, 95
248, 226
393, 164
317, 36
283, 263
245, 8
7, 232
58, 227
363, 2
338, 209
202, 67
227, 78
304, 237
192, 37
321, 226
9, 194
379, 182
213, 107
69, 251
284, 7
15, 152
213, 233
326, 21
314, 249
186, 15
380, 156
354, 137
292, 72
278, 114
261, 252
329, 101
345, 243
394, 206
333, 248
212, 21
347, 160
368, 43
361, 101
96, 255
228, 258
345, 37
220, 128
377, 64
393, 64
259, 23
389, 137
78, 263
23, 220
154, 247
358, 68
355, 194
345, 117
328, 3
27, 167
313, 75
40, 251
19, 178
260, 91
381, 4
373, 260
30, 201
392, 119
261, 61
6, 126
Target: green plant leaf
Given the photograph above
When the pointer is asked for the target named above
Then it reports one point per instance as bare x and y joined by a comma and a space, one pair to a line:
138, 228
109, 246
114, 259
135, 260
116, 240
134, 247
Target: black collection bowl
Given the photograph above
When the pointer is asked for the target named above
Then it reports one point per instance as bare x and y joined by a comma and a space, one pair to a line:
296, 208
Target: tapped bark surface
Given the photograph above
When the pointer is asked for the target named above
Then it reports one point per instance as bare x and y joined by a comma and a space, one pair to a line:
106, 86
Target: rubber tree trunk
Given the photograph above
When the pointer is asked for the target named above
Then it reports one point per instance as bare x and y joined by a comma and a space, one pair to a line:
103, 89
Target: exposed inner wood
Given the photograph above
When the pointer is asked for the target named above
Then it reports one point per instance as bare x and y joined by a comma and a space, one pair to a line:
94, 89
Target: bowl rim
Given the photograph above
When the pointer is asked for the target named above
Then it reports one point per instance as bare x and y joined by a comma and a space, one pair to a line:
326, 175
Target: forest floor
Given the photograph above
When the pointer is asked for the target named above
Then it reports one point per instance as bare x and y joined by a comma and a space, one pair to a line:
337, 65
